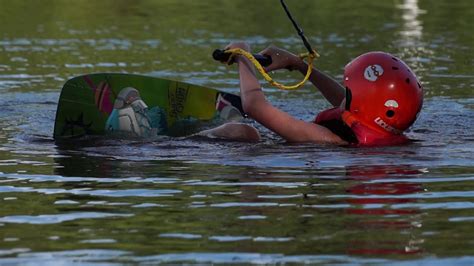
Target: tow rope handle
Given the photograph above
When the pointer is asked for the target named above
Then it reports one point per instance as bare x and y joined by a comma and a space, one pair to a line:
261, 61
224, 57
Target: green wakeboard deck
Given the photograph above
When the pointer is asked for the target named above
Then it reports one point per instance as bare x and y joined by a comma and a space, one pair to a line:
86, 102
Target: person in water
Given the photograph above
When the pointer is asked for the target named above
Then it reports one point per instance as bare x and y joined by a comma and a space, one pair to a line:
380, 98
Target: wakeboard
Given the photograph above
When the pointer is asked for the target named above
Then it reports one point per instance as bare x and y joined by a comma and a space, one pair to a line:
97, 104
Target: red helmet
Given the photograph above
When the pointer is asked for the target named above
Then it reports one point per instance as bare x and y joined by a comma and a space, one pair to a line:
382, 93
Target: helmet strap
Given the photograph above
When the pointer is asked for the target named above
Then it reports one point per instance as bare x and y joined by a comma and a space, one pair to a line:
348, 99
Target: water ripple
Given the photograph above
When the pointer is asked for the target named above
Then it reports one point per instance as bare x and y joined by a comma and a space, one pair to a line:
252, 258
180, 235
58, 218
244, 204
91, 192
64, 179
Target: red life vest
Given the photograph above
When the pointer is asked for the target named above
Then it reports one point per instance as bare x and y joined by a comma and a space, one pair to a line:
347, 127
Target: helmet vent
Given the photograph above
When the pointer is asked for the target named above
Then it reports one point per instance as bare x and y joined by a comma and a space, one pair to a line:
395, 68
396, 60
390, 113
407, 81
419, 85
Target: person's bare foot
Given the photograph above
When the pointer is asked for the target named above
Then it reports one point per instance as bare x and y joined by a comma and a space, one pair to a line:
233, 131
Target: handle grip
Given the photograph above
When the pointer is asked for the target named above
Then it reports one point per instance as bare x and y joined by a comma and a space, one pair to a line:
223, 56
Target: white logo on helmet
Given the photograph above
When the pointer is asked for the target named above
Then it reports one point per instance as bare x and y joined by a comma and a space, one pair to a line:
373, 72
391, 103
379, 121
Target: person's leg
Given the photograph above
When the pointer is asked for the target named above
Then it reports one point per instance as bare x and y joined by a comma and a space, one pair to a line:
233, 131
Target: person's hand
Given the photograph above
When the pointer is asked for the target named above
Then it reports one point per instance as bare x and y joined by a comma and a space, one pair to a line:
242, 45
281, 59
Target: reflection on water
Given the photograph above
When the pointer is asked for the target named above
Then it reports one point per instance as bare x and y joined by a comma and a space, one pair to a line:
374, 196
412, 26
173, 200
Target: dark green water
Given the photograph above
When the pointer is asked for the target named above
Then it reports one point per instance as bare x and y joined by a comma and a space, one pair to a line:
176, 201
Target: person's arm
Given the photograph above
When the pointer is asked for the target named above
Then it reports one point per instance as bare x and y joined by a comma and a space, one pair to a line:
257, 107
332, 90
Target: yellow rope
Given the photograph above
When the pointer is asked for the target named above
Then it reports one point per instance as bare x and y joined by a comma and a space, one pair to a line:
249, 56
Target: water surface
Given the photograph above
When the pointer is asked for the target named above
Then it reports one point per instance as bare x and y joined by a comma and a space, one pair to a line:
99, 201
